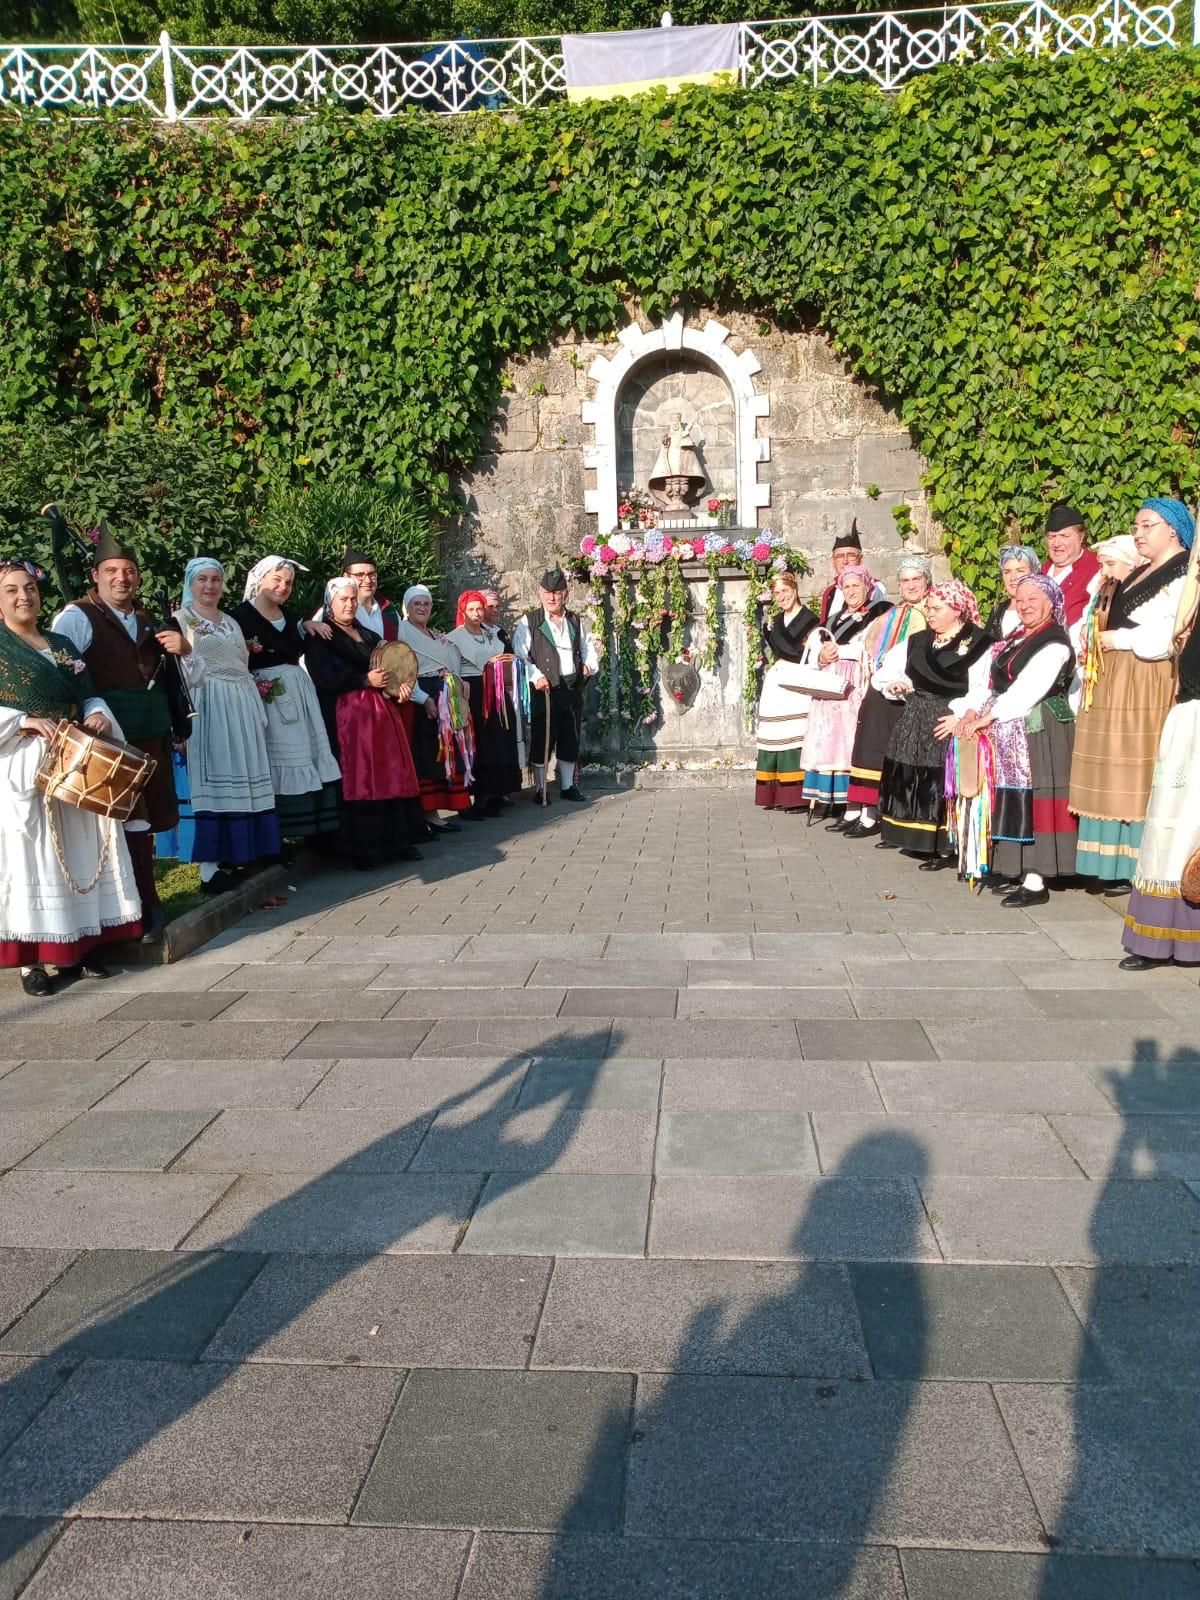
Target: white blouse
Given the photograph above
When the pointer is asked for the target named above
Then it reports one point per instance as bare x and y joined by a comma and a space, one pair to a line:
1028, 689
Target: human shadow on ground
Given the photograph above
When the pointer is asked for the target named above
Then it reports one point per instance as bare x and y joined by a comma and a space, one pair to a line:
60, 1440
761, 1461
1130, 1426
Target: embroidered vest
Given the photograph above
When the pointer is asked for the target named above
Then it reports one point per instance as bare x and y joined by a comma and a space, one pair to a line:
543, 651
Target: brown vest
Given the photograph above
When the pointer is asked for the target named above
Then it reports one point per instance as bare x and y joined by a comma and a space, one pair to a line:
121, 670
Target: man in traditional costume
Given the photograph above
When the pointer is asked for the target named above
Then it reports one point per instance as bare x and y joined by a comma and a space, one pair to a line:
561, 653
124, 649
1074, 568
847, 552
375, 611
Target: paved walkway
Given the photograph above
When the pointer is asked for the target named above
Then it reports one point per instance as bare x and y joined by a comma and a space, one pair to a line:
653, 1200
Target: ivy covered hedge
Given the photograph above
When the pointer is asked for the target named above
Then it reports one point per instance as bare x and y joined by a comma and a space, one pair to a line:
1010, 252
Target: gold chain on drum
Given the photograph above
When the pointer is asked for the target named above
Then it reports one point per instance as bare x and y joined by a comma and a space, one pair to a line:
56, 841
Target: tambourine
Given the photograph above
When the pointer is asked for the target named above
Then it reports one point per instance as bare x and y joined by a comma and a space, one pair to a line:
399, 661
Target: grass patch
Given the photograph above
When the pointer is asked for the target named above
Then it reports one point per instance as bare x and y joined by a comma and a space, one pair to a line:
178, 887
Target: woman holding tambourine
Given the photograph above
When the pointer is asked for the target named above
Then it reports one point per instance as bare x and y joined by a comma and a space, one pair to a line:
66, 881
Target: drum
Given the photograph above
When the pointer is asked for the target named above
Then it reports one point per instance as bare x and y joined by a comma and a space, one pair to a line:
398, 660
93, 774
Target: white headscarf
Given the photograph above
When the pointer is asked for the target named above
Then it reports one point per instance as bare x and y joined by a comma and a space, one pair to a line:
339, 586
417, 592
264, 568
1120, 548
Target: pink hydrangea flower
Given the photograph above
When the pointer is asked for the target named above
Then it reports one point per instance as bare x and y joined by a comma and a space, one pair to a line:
761, 552
698, 548
668, 543
587, 544
726, 549
607, 553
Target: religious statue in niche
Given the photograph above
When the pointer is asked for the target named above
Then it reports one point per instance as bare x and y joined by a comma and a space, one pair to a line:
678, 476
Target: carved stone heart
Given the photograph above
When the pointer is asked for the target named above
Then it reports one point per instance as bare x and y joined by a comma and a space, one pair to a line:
682, 684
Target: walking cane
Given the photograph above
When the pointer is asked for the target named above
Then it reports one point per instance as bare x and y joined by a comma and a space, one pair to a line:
546, 752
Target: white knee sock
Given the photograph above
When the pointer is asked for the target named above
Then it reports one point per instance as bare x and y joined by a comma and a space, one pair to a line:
539, 775
208, 870
1033, 880
852, 816
566, 773
868, 816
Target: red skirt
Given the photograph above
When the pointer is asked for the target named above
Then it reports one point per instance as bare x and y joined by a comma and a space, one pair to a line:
41, 952
376, 758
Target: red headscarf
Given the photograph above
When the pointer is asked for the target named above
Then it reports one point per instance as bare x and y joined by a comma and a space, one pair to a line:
464, 600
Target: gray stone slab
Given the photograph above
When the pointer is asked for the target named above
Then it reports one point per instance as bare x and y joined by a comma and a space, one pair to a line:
422, 1086
1133, 1147
212, 1084
119, 1141
561, 1214
593, 1085
91, 1210
262, 978
947, 974
310, 1140
143, 1304
541, 1137
918, 1463
608, 974
743, 1142
1085, 941
1042, 1220
806, 948
987, 1086
505, 1449
63, 1041
1004, 1575
1012, 1006
696, 1040
760, 974
785, 1218
701, 1316
738, 1085
1112, 1040
455, 975
986, 1323
619, 1003
72, 1084
220, 1560
173, 1007
547, 1037
397, 1311
23, 1545
1106, 974
894, 1040
998, 1146
23, 1131
321, 1005
1144, 1320
529, 1567
25, 1387
449, 1003
1032, 945
370, 950
1090, 1005
229, 1041
338, 1214
283, 944
780, 1004
1152, 1085
26, 1274
652, 948
1110, 1468
146, 1438
532, 947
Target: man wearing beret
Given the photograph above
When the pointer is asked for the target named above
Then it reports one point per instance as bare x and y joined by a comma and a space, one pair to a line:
1074, 568
561, 653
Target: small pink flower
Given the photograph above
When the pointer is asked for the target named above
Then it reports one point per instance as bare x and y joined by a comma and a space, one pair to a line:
712, 504
607, 553
698, 548
648, 720
587, 544
668, 544
761, 552
726, 549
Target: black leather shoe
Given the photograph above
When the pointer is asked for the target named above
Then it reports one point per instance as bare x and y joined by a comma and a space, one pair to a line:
540, 797
573, 793
857, 831
477, 814
1112, 890
220, 883
838, 826
449, 827
885, 845
37, 982
154, 925
1001, 885
1140, 963
937, 864
1026, 897
85, 969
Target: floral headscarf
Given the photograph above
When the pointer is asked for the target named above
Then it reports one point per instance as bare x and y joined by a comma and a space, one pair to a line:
955, 594
862, 574
1053, 593
197, 565
464, 600
1020, 552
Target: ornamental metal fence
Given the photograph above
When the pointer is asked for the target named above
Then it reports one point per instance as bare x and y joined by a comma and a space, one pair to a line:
171, 82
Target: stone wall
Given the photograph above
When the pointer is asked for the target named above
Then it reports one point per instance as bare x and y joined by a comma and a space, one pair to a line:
833, 453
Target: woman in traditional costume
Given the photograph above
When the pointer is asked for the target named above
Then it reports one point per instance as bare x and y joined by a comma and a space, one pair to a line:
877, 715
66, 880
1162, 920
438, 717
1117, 735
494, 716
304, 773
229, 774
829, 741
1119, 559
1017, 827
945, 661
783, 711
381, 812
1017, 561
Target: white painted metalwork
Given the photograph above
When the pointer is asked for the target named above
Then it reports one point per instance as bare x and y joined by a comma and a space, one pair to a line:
172, 82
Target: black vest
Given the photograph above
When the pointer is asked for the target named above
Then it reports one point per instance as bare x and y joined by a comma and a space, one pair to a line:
543, 652
1016, 655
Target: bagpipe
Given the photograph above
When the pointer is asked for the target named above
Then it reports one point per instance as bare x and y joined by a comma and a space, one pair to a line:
73, 558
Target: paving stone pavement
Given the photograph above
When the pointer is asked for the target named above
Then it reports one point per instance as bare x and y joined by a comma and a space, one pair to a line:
658, 1199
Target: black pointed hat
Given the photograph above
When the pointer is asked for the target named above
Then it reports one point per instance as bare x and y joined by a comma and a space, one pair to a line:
554, 581
1062, 516
110, 548
356, 558
849, 541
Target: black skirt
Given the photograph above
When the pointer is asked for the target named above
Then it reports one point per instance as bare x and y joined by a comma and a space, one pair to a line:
877, 721
497, 768
912, 787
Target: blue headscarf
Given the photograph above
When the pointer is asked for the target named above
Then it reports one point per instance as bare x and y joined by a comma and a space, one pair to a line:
198, 564
1175, 514
1020, 552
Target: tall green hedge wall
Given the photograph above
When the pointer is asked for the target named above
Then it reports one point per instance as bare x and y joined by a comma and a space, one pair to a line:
1010, 252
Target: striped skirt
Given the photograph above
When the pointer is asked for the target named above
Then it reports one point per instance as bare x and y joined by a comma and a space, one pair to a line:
912, 786
782, 725
1159, 922
1032, 828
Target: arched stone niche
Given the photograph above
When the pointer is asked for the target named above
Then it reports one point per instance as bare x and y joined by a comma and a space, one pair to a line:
676, 369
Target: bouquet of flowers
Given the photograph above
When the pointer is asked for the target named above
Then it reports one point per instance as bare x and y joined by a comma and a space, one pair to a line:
270, 689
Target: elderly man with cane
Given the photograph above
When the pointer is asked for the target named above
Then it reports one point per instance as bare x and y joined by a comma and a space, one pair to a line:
561, 653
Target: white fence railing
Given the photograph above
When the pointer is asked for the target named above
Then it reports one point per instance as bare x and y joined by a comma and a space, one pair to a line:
173, 83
